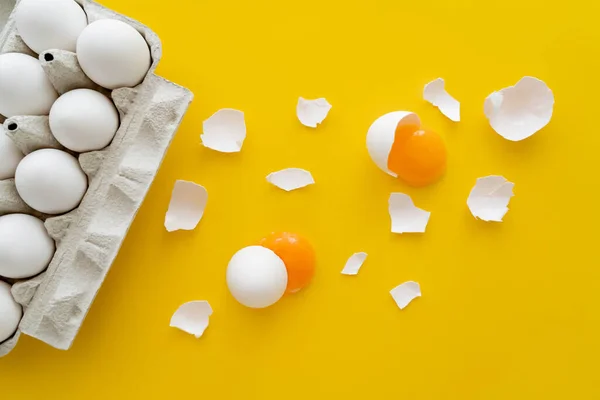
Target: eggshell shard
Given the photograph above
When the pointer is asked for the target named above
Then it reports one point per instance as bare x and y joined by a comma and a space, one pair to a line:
10, 312
192, 317
435, 93
256, 277
24, 87
406, 292
51, 181
224, 131
381, 135
113, 54
186, 207
312, 112
83, 120
489, 198
291, 179
354, 263
50, 24
10, 156
519, 111
25, 246
406, 218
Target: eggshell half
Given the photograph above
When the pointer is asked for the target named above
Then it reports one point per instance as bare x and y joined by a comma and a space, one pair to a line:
381, 135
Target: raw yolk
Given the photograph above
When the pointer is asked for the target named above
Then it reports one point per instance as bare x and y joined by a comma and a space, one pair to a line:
297, 255
417, 156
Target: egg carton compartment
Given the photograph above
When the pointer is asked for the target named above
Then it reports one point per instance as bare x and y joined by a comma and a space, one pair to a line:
88, 238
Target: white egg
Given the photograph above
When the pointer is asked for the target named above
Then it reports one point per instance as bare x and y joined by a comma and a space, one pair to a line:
24, 86
113, 54
382, 133
10, 156
25, 246
10, 312
84, 120
50, 24
50, 181
256, 277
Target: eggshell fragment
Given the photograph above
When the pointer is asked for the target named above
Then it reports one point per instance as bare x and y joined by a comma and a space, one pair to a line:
354, 263
381, 135
312, 112
406, 292
489, 198
291, 178
224, 131
435, 93
519, 111
192, 317
186, 208
406, 218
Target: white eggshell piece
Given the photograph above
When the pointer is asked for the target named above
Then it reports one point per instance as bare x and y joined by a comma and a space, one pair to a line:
406, 292
192, 317
489, 198
406, 218
113, 54
186, 208
84, 120
10, 312
354, 263
519, 111
25, 246
291, 179
256, 277
24, 87
50, 181
50, 24
224, 131
312, 112
10, 156
435, 93
382, 133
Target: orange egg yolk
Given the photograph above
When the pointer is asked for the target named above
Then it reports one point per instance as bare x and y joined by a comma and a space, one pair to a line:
297, 255
418, 156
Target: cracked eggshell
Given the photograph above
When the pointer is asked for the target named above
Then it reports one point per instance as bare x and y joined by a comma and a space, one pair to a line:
24, 87
381, 135
10, 312
50, 24
256, 277
25, 246
519, 111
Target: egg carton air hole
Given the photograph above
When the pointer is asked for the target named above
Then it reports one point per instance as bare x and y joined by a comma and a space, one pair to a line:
88, 238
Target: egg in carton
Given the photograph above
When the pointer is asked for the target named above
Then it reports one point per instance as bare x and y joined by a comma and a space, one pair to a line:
56, 301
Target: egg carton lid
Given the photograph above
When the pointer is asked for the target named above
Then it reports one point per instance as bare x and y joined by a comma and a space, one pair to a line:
88, 238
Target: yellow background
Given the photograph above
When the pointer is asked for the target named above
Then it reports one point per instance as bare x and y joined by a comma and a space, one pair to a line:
508, 310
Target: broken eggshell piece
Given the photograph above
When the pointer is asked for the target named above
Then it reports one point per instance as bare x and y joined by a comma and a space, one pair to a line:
291, 178
405, 216
489, 198
312, 112
354, 263
192, 317
519, 111
224, 131
186, 208
435, 93
406, 292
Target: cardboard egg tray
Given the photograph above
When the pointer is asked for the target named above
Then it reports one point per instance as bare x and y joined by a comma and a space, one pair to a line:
88, 238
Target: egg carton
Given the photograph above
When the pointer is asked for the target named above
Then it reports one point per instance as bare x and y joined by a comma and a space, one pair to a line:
88, 238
